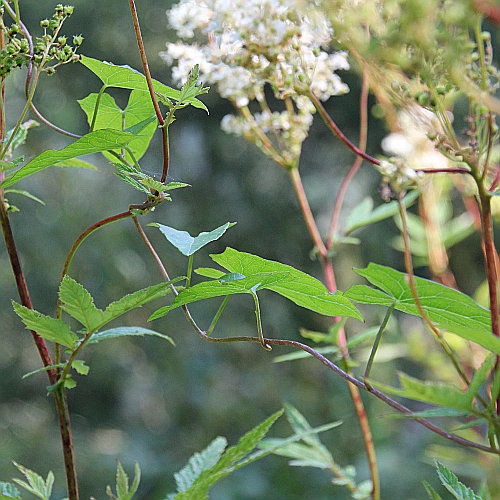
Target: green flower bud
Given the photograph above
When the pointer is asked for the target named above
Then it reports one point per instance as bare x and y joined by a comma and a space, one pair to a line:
77, 40
62, 40
50, 71
44, 23
68, 10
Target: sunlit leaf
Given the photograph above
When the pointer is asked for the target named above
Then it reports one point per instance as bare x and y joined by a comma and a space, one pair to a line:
25, 193
126, 77
446, 307
299, 287
36, 484
94, 142
9, 492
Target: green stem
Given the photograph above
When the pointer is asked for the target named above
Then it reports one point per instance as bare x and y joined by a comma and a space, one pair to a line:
377, 341
96, 107
81, 239
259, 322
411, 278
189, 271
217, 315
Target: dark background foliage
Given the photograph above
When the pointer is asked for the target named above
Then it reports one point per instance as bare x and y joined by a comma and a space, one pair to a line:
145, 400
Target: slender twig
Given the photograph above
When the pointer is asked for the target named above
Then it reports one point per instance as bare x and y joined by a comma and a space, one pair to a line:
154, 100
416, 298
363, 134
336, 130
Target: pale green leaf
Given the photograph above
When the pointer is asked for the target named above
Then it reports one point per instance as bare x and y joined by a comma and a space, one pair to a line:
21, 134
94, 142
25, 193
125, 77
446, 307
299, 287
36, 484
126, 331
9, 492
303, 354
121, 483
454, 486
429, 392
363, 214
200, 462
188, 244
432, 413
54, 330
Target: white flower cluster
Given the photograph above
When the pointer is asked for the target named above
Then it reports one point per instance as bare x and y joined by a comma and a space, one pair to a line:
413, 144
243, 45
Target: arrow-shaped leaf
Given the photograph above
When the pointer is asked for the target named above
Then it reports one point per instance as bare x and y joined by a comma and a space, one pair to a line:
188, 244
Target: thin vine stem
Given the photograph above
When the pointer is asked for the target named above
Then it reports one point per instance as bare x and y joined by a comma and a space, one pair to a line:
416, 298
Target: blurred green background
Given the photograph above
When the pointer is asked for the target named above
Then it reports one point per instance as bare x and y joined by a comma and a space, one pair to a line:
144, 399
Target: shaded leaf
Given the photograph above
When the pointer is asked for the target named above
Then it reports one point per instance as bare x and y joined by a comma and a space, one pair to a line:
429, 392
431, 491
54, 330
187, 244
126, 331
94, 142
25, 193
9, 492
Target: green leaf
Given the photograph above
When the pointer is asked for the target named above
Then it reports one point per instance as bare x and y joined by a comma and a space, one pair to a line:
303, 354
454, 486
219, 288
190, 90
94, 142
9, 492
80, 367
135, 118
429, 392
481, 375
49, 328
36, 484
137, 299
363, 214
209, 272
126, 331
21, 134
228, 461
446, 307
431, 492
299, 287
79, 304
188, 244
300, 425
25, 193
200, 462
76, 163
126, 77
432, 413
122, 488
